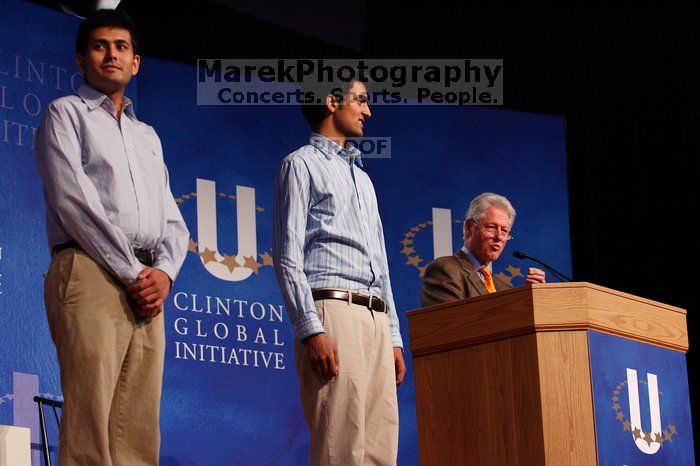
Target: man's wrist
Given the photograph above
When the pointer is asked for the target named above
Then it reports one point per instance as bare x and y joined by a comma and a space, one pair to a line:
306, 339
170, 280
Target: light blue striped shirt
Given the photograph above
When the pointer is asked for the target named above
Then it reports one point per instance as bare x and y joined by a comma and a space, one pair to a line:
106, 185
327, 232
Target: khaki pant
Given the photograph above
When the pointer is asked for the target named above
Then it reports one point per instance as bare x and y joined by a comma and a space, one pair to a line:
111, 366
353, 418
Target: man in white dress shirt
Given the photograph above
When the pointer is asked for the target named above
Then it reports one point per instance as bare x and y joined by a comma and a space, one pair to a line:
117, 241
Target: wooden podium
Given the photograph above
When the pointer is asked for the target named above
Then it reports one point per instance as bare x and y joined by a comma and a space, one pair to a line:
505, 379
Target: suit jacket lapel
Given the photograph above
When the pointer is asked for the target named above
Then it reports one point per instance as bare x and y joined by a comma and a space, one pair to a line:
472, 275
500, 283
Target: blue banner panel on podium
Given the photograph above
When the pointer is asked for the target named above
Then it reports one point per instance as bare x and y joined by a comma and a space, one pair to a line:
642, 407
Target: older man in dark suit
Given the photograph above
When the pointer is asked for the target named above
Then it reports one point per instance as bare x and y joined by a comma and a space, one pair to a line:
468, 271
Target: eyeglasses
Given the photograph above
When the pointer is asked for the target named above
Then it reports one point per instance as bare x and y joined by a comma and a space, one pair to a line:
493, 230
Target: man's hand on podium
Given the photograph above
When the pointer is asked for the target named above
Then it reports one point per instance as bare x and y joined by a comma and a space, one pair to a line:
535, 275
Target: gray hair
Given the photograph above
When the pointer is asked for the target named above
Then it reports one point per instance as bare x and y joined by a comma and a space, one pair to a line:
481, 203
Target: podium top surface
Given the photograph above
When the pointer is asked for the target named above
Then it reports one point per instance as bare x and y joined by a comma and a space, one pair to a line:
576, 306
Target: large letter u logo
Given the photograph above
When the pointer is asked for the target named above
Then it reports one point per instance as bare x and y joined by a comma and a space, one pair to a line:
647, 442
246, 228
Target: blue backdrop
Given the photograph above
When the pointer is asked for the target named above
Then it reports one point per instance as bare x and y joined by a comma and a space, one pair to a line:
230, 392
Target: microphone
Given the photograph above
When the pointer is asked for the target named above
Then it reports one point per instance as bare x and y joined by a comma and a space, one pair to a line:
559, 275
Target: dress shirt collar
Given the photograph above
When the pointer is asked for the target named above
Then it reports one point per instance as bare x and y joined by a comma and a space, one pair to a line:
349, 153
94, 98
475, 262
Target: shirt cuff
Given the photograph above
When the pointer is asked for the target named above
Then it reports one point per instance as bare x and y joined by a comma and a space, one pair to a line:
129, 274
310, 327
396, 340
166, 267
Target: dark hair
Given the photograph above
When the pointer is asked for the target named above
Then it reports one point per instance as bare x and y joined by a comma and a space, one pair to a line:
315, 113
105, 18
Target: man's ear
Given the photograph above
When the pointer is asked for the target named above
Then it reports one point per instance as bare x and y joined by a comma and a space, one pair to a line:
467, 233
331, 103
137, 62
80, 63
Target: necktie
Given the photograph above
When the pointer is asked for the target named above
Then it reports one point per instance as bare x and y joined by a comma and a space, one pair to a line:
488, 279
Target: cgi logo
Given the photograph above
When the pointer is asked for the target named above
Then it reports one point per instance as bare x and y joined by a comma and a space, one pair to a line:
230, 268
657, 436
227, 263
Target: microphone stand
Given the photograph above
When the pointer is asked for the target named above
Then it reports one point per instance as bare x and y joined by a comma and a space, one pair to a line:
559, 275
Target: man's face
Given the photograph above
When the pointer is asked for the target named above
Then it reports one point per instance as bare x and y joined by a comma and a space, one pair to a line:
485, 246
109, 62
351, 114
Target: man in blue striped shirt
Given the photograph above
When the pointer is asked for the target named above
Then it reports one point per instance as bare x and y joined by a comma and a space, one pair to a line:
332, 269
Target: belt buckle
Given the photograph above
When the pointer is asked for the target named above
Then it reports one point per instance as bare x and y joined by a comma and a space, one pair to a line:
381, 307
148, 255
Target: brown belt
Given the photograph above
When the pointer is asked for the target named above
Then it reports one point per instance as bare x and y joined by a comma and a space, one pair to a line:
145, 256
371, 302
